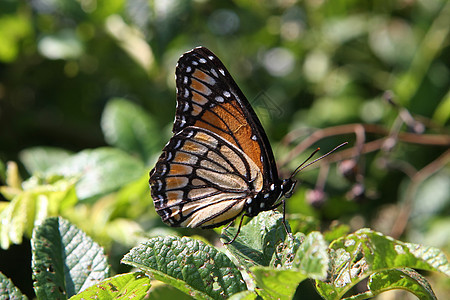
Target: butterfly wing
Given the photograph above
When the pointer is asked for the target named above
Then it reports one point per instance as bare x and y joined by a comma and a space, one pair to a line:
208, 97
202, 180
219, 157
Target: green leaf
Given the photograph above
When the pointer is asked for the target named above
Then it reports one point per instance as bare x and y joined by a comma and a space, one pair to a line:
101, 171
2, 171
39, 159
8, 290
258, 240
64, 260
312, 256
15, 27
310, 261
128, 127
244, 295
40, 198
366, 252
124, 286
163, 291
190, 265
64, 44
406, 279
277, 283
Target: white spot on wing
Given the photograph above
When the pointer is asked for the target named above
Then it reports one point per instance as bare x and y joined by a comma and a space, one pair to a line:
194, 63
226, 94
185, 80
211, 57
202, 60
214, 73
219, 99
177, 145
222, 72
190, 134
188, 69
186, 93
163, 170
169, 156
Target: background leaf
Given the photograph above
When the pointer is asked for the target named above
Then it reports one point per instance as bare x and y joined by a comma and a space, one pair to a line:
65, 261
126, 126
101, 171
39, 198
40, 159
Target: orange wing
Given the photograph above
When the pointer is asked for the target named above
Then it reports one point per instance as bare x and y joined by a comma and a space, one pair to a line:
208, 97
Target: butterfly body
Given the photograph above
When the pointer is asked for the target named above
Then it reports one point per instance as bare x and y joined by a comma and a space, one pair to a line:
219, 163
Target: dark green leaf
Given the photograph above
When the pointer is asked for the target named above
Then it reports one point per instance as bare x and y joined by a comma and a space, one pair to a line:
190, 265
2, 171
65, 261
128, 127
124, 286
8, 290
101, 170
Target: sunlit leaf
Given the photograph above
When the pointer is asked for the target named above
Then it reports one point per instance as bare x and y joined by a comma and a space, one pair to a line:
406, 279
124, 286
40, 197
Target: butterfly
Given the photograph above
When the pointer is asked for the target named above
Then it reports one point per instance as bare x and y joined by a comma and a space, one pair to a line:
219, 163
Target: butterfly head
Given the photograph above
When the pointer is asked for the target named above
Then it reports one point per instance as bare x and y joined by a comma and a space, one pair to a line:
287, 187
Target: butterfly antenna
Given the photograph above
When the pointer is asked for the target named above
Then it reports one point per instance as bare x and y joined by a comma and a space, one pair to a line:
303, 166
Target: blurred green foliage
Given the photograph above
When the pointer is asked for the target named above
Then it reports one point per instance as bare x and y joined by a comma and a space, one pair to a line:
87, 91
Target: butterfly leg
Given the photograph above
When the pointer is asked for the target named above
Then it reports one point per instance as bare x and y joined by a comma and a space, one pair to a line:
229, 224
284, 220
284, 216
239, 230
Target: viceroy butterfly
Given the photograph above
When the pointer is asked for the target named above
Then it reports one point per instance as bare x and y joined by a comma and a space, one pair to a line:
219, 163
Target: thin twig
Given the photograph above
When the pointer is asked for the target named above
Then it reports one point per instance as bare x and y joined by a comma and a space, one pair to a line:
416, 180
